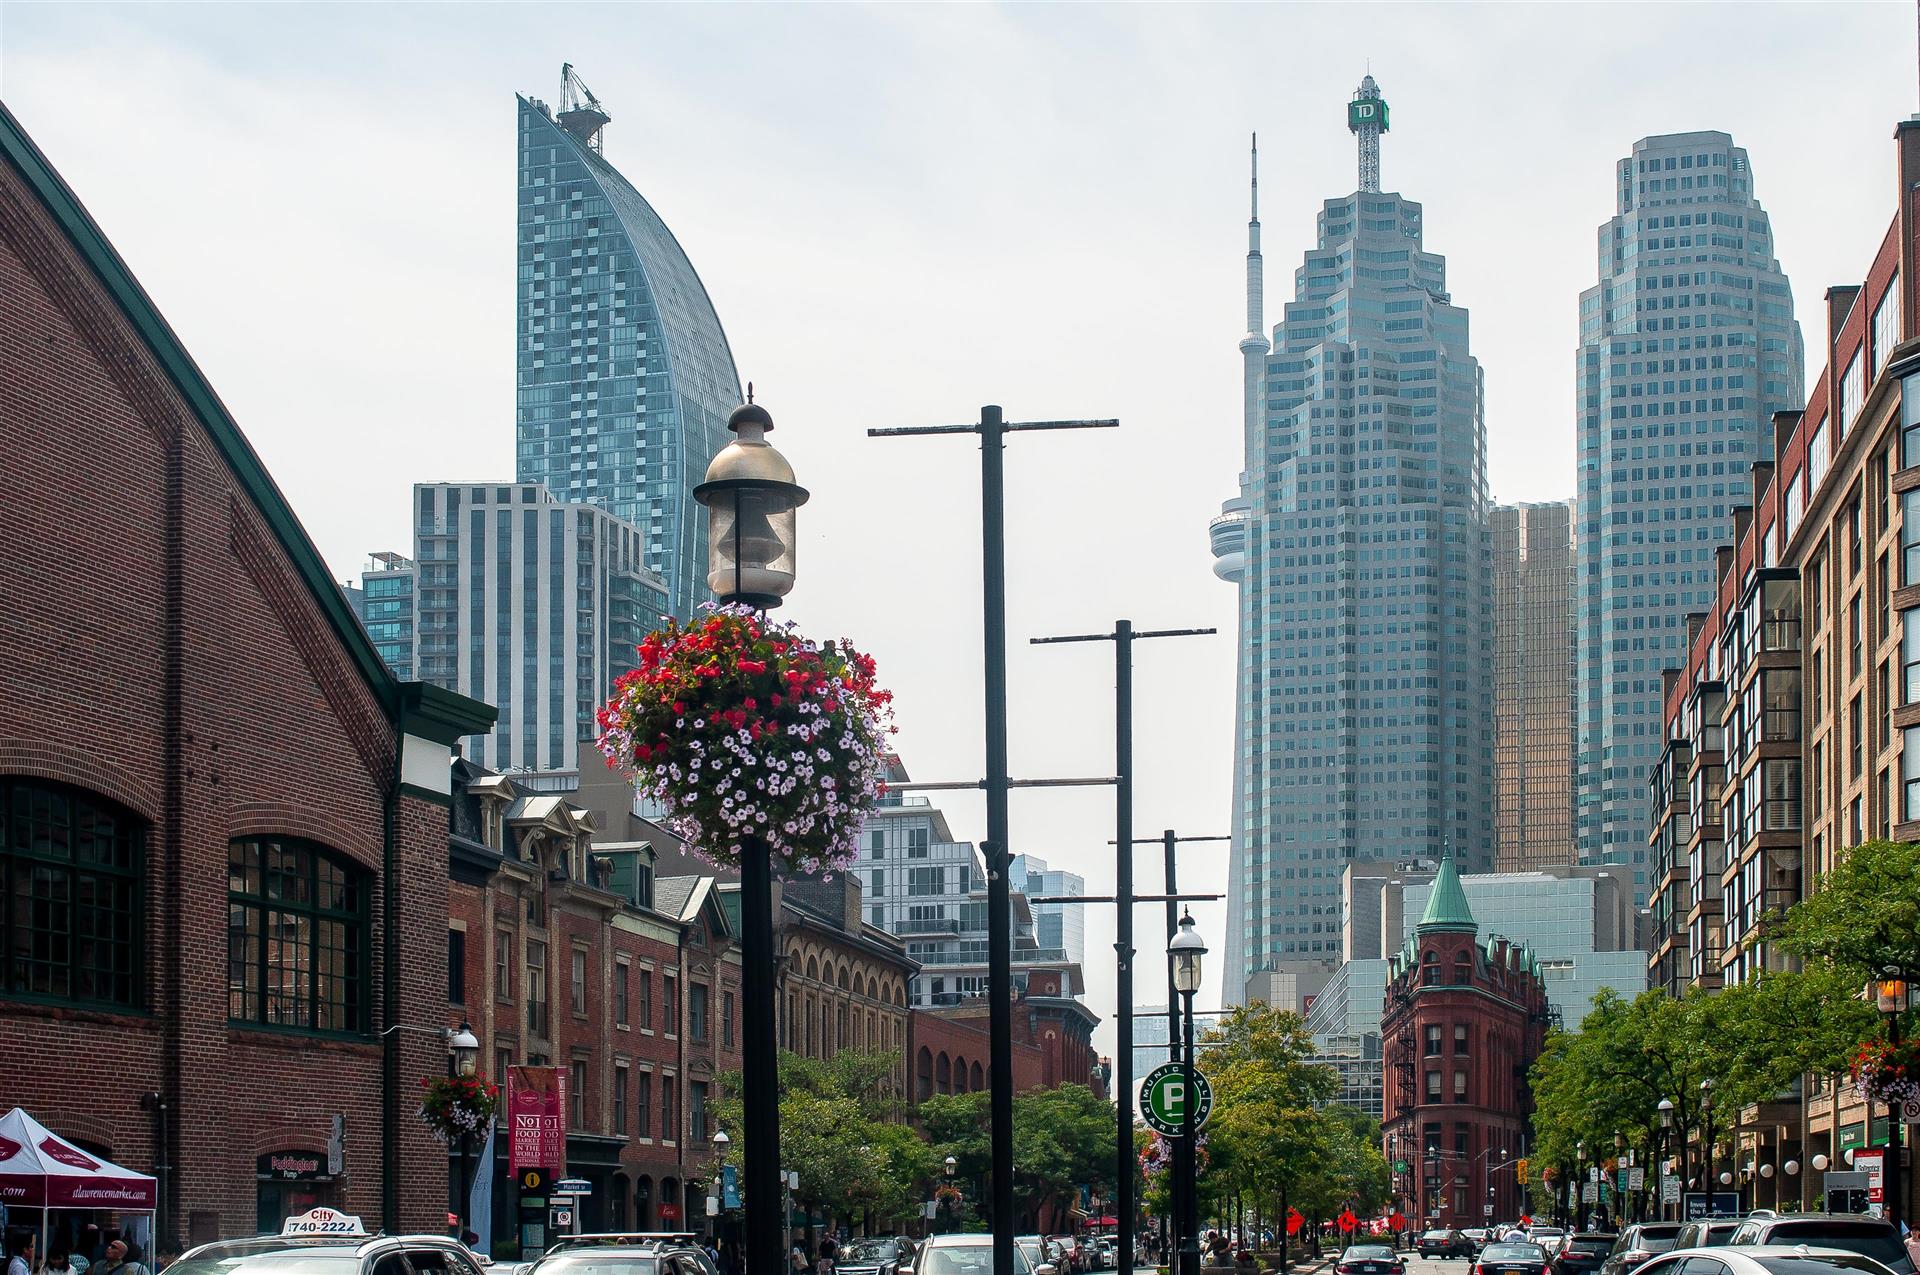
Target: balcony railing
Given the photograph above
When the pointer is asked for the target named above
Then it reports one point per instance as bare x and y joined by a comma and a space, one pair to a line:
930, 925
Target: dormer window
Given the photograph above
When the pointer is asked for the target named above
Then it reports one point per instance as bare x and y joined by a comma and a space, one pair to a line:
643, 884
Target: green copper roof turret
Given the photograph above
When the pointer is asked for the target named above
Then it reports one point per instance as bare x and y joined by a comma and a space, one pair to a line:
1447, 910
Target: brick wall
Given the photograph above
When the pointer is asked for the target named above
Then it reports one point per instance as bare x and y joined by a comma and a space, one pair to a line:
160, 648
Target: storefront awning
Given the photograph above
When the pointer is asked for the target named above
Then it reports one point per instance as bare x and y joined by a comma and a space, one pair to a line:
40, 1169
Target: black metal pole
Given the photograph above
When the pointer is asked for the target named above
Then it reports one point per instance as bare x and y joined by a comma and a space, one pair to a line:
466, 1184
760, 1064
993, 571
1180, 1169
1123, 936
1189, 1139
1892, 1157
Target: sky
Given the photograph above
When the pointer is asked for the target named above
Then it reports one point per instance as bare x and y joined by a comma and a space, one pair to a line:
905, 212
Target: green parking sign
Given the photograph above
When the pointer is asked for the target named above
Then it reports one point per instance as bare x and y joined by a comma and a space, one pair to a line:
1163, 1099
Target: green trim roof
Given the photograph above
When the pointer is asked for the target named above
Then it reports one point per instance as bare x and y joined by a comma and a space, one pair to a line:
1447, 910
441, 713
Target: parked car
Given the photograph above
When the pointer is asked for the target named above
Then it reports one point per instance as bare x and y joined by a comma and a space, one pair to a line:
1551, 1238
869, 1257
1031, 1247
1637, 1243
1108, 1248
1443, 1243
1764, 1259
1516, 1258
1853, 1232
638, 1253
1370, 1259
1708, 1232
343, 1252
1582, 1254
969, 1254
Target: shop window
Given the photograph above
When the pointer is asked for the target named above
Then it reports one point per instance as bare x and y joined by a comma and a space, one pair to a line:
71, 866
297, 936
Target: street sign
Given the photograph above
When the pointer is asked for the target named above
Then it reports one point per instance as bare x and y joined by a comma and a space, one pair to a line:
1163, 1099
1399, 1166
1669, 1189
1590, 1192
1636, 1179
573, 1186
1910, 1111
1486, 1210
562, 1219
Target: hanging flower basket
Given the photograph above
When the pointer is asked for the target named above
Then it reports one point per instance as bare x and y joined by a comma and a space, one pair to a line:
948, 1196
742, 728
1157, 1156
1887, 1073
455, 1105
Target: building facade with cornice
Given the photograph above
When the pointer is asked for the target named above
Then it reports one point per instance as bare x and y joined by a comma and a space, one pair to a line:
1464, 1021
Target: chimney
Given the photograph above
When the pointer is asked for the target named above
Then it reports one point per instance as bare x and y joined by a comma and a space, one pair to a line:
1907, 200
1762, 475
1742, 521
1784, 423
1723, 562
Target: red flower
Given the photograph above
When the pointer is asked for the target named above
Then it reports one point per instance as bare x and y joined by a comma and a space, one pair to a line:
751, 666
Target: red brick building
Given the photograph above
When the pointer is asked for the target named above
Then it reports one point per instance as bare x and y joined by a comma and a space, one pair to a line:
216, 803
1463, 1022
570, 952
1052, 1043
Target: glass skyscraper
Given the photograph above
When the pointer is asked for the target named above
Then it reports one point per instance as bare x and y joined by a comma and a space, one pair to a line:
1688, 345
1359, 544
624, 380
1532, 685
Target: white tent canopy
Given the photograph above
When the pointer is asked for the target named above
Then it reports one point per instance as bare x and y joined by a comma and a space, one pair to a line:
39, 1169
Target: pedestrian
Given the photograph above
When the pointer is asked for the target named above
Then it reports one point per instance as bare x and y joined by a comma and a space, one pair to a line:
58, 1262
120, 1260
164, 1256
20, 1253
797, 1261
829, 1250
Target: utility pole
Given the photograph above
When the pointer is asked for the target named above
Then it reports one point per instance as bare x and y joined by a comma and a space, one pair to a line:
1123, 637
993, 429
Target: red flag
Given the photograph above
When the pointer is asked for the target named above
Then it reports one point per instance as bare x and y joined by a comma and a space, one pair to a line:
1294, 1221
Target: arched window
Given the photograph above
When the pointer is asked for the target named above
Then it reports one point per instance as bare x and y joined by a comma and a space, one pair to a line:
973, 1077
643, 1203
71, 866
1430, 968
926, 1073
959, 1075
1462, 969
297, 936
943, 1074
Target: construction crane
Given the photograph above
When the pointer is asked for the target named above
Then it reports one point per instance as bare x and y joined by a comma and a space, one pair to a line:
580, 111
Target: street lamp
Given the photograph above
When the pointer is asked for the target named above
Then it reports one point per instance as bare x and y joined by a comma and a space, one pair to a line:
1706, 1137
1891, 996
1187, 950
717, 1202
751, 498
464, 1048
950, 1166
1579, 1188
1666, 1148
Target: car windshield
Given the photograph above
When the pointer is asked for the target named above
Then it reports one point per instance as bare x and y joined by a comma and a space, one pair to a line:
1820, 1264
1369, 1253
968, 1259
280, 1262
1514, 1253
1871, 1239
581, 1262
869, 1251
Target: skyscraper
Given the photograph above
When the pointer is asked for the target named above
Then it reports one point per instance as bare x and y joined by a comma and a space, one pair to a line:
1532, 685
1358, 542
623, 375
529, 603
1688, 345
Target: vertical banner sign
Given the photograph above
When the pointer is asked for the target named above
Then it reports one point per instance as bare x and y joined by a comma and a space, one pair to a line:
536, 1118
1873, 1164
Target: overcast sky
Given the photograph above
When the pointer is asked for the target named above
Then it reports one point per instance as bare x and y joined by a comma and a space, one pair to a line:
903, 213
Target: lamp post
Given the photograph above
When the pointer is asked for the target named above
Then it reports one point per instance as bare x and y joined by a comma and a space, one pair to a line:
751, 498
1706, 1139
1666, 1150
1187, 949
464, 1047
951, 1165
1891, 996
1486, 1172
1580, 1187
721, 1142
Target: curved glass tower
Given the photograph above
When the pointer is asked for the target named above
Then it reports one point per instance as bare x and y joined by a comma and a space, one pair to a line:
1358, 541
1688, 346
623, 376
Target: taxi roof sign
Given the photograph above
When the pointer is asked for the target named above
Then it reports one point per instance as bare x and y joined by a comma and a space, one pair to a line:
325, 1221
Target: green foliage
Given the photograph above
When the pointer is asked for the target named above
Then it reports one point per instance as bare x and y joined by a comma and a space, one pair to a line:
1865, 915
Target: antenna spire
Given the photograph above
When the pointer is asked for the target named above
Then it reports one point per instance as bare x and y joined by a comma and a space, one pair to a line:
1256, 338
1367, 119
1256, 179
